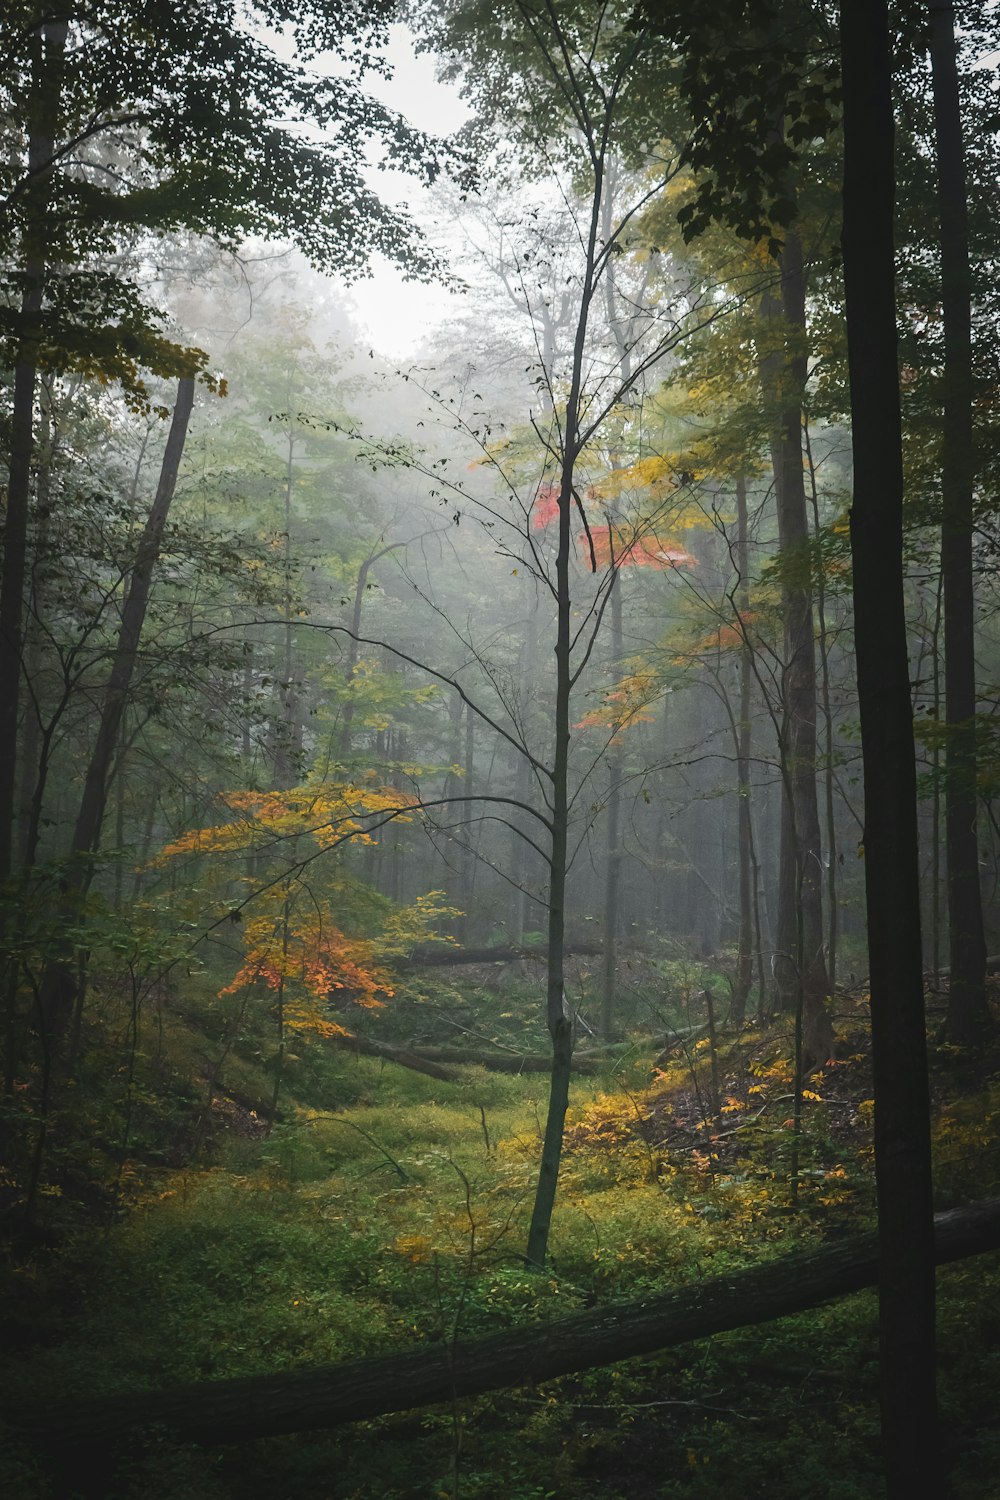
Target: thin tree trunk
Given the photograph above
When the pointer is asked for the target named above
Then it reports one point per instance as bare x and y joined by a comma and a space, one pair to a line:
288, 741
58, 983
967, 1010
902, 1130
936, 798
86, 835
613, 851
468, 861
828, 779
520, 856
31, 771
745, 940
801, 978
800, 680
559, 1022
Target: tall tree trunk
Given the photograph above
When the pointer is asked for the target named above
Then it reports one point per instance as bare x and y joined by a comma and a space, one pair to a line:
468, 862
31, 749
86, 835
520, 853
360, 589
557, 1018
59, 984
48, 47
801, 978
936, 797
967, 1010
832, 924
613, 851
622, 332
559, 1021
902, 1132
745, 940
288, 736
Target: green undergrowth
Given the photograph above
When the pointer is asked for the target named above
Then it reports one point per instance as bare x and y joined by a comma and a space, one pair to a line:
386, 1209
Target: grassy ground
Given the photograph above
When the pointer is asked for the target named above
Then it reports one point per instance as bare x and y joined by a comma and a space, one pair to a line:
386, 1208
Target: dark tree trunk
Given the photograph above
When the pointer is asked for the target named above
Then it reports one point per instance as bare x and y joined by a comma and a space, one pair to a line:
439, 1062
440, 957
30, 753
613, 851
967, 1009
228, 1411
803, 982
832, 922
468, 863
87, 833
902, 1132
48, 46
59, 983
747, 872
558, 1020
520, 852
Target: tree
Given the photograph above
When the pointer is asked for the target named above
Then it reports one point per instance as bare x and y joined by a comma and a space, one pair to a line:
58, 985
141, 128
232, 1411
967, 1008
293, 946
582, 63
902, 1132
800, 973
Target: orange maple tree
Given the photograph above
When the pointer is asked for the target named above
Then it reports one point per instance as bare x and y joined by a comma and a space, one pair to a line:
292, 945
613, 546
623, 549
308, 963
627, 703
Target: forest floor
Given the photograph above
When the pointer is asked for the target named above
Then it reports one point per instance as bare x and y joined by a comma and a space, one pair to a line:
384, 1208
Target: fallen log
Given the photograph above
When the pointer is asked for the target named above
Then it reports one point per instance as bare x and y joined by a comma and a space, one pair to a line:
438, 956
505, 1062
391, 1053
434, 1061
228, 1411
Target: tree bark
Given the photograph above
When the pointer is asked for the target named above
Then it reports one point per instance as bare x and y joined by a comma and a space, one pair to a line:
58, 983
87, 833
800, 976
557, 1018
613, 850
968, 1014
902, 1130
832, 923
434, 1061
257, 1406
800, 912
747, 871
439, 956
48, 47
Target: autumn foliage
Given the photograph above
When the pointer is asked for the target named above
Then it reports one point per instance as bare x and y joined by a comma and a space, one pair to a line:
293, 947
309, 962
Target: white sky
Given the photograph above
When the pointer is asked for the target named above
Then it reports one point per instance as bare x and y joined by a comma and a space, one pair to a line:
394, 315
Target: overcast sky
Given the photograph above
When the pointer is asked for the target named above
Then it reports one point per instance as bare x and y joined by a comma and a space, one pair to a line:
393, 314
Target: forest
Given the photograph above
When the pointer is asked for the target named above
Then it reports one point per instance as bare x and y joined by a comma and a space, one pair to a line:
499, 748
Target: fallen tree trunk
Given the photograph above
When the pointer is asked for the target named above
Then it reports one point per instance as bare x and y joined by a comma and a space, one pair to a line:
434, 1060
992, 967
228, 1411
505, 1062
440, 957
391, 1053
